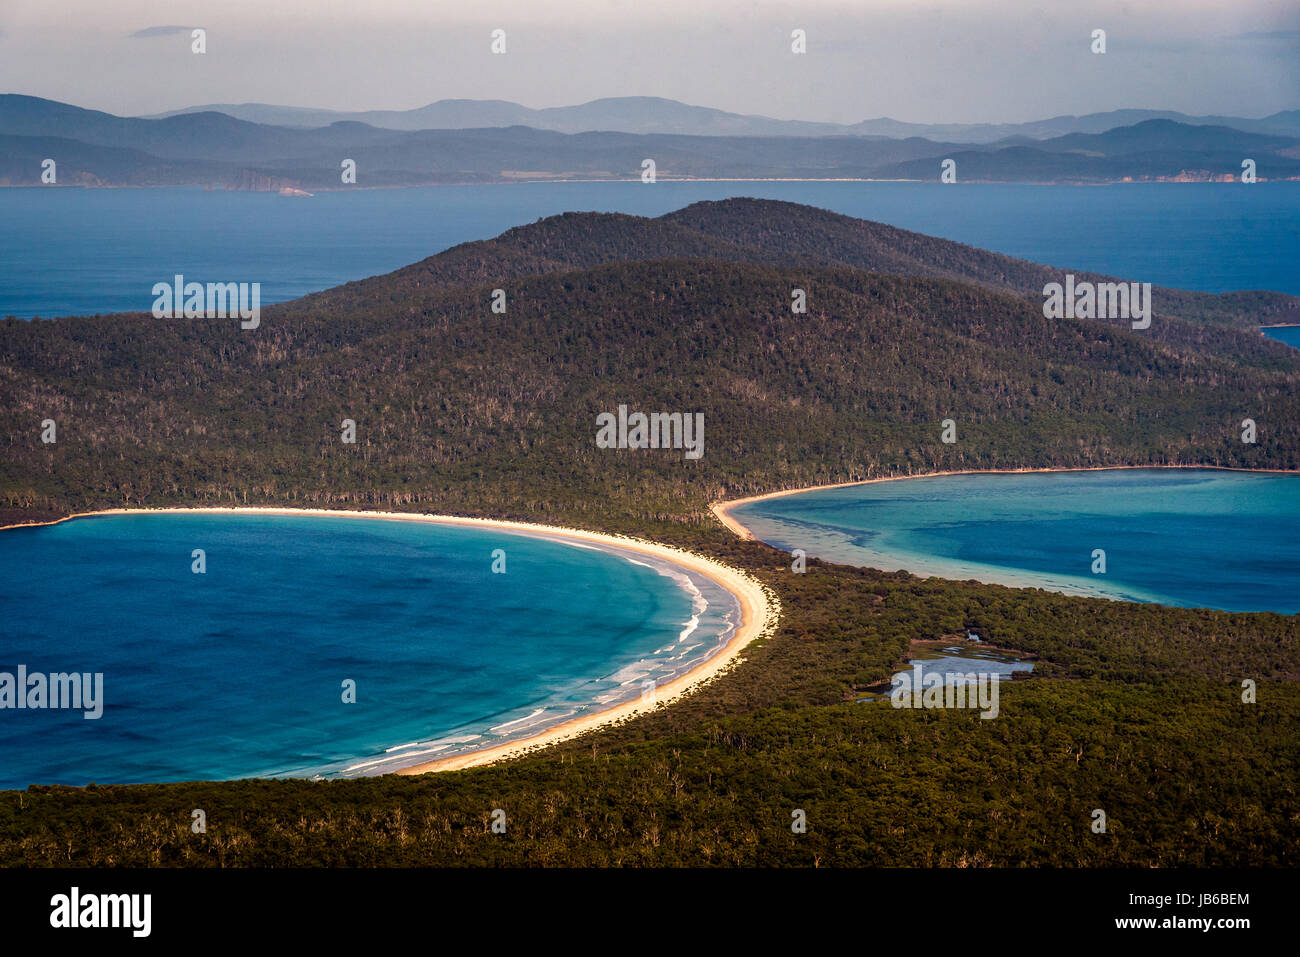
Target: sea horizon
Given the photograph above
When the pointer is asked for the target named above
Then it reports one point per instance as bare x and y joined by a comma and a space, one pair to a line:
100, 251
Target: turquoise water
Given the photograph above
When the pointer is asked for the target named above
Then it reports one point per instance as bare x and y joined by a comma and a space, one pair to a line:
1288, 334
1187, 537
238, 672
73, 251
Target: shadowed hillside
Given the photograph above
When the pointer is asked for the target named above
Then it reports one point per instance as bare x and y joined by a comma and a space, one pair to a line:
788, 234
459, 408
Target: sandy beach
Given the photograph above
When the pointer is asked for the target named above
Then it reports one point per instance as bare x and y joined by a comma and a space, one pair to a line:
722, 510
759, 611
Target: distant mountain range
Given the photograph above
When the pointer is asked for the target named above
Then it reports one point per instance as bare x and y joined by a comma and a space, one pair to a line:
652, 114
217, 150
1148, 150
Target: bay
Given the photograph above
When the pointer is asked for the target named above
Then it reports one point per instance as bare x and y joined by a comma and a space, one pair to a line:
239, 671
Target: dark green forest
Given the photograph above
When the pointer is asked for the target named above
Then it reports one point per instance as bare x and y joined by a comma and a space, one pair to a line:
1133, 709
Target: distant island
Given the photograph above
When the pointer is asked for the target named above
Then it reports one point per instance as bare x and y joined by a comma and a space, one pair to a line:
494, 143
654, 114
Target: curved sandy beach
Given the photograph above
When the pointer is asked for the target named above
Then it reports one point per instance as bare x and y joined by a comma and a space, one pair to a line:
759, 611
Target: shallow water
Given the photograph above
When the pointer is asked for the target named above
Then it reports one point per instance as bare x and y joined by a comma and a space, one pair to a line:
1187, 537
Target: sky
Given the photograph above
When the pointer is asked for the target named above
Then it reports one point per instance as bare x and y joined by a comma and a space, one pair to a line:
961, 61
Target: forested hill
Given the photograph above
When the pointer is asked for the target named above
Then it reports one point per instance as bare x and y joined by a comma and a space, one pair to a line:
788, 230
786, 234
461, 409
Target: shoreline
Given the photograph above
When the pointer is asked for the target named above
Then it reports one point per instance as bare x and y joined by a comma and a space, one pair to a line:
722, 510
759, 613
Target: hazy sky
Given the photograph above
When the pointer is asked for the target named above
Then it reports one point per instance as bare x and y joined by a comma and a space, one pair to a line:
955, 61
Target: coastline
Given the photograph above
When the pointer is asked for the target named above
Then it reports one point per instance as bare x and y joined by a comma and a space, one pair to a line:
722, 510
759, 611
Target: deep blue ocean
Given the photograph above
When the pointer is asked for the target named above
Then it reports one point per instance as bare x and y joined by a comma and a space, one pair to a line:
1188, 537
239, 671
70, 251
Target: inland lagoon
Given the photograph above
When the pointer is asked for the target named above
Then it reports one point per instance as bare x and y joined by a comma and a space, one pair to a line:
1203, 538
